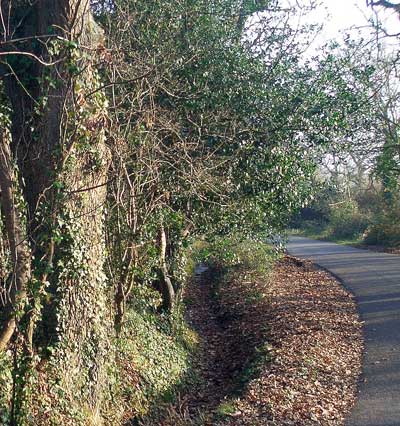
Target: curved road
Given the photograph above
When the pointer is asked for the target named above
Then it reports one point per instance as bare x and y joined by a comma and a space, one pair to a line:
374, 279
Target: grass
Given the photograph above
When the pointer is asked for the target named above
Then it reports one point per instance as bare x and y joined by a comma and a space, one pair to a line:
321, 233
226, 409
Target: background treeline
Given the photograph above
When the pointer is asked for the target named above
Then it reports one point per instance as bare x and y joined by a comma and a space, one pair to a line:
128, 129
357, 197
367, 215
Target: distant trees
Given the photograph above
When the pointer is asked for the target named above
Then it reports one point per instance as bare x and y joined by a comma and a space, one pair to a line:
361, 174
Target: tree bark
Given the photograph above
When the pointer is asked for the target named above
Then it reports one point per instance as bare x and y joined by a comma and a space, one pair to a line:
20, 252
166, 287
58, 141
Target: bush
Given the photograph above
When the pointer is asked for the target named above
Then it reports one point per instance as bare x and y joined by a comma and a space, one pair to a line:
369, 201
383, 234
225, 252
368, 217
346, 221
385, 230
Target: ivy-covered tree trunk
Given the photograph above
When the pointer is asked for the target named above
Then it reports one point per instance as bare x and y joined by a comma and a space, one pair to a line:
19, 249
166, 287
58, 115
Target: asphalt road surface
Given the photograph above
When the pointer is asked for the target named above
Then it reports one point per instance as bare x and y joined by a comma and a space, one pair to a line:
374, 279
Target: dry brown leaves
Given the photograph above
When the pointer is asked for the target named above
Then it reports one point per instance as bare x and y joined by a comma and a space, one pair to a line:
309, 325
315, 341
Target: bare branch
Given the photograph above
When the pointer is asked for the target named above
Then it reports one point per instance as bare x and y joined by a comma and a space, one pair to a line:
384, 3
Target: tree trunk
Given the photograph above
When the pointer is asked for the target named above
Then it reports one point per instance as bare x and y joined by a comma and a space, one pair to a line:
166, 287
20, 253
58, 120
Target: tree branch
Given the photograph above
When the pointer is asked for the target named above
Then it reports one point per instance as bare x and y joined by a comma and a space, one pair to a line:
384, 3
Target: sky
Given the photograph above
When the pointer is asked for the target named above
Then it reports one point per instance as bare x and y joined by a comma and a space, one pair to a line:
344, 14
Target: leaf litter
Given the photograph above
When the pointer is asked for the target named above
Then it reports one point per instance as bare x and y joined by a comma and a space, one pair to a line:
282, 351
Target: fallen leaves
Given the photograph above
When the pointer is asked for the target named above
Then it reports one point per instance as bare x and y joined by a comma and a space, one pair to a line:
303, 327
316, 357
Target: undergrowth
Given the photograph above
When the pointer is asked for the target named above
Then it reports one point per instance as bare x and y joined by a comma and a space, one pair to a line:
155, 352
152, 356
154, 360
240, 276
242, 289
368, 220
5, 386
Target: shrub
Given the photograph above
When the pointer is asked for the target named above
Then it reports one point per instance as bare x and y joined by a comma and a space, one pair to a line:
225, 252
346, 221
384, 234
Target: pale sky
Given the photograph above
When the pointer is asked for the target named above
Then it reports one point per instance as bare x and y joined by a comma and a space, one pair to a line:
339, 18
347, 13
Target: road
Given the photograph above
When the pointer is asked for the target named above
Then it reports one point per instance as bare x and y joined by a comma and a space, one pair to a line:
374, 279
